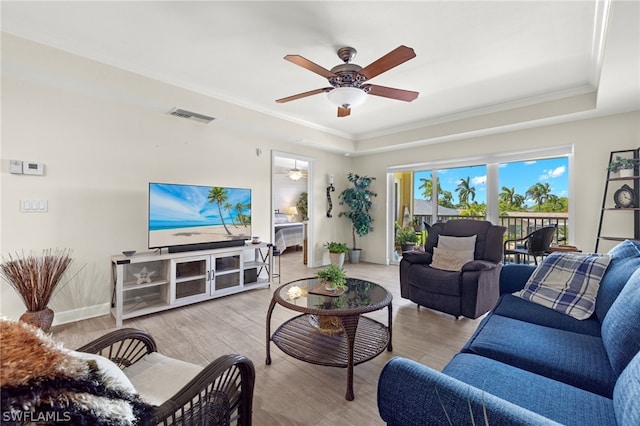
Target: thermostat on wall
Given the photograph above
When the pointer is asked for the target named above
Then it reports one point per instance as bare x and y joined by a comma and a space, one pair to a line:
29, 168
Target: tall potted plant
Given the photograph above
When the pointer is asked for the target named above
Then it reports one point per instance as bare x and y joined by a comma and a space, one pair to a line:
357, 199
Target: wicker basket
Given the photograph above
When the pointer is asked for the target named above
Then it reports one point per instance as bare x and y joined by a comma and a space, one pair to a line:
326, 324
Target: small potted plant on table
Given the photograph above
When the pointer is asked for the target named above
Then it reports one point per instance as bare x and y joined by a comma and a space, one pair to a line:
334, 279
337, 252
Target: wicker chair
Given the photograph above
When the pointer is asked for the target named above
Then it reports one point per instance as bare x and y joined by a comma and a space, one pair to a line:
220, 394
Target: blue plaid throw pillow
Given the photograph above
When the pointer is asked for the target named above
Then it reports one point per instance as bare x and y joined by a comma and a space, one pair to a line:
567, 283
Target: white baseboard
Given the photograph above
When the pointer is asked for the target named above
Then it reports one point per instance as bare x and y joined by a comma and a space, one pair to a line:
81, 313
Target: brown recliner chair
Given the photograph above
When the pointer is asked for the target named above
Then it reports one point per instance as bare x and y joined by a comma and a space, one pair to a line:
470, 292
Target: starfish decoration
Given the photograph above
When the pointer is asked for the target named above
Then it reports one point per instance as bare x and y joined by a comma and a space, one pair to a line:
144, 276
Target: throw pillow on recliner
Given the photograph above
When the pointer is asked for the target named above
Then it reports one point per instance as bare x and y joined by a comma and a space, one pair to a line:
567, 283
450, 260
452, 253
457, 243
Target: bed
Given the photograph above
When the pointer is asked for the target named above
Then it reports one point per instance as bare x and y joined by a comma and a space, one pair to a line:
287, 234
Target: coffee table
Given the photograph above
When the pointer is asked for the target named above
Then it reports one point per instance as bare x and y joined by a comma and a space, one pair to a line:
357, 338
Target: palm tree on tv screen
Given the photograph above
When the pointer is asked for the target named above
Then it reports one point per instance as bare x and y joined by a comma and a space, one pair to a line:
228, 207
219, 196
242, 218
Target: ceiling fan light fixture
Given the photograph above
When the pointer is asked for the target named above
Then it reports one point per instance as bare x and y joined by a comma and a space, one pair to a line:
295, 174
347, 97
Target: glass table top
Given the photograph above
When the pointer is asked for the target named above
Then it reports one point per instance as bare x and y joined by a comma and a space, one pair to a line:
360, 295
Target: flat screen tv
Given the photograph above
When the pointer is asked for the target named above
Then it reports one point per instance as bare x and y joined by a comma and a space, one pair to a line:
196, 217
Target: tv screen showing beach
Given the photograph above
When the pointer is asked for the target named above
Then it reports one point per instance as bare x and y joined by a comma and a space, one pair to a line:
195, 214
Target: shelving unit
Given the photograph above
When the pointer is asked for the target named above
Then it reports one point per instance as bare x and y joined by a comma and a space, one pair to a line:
622, 215
151, 282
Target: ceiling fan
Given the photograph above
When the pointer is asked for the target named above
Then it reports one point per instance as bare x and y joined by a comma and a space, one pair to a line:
348, 80
295, 173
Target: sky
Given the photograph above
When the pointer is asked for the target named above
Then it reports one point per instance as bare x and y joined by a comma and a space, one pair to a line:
519, 175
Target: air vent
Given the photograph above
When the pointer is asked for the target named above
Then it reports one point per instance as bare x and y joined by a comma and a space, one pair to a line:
179, 112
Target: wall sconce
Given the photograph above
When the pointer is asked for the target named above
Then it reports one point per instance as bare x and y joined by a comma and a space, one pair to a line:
330, 189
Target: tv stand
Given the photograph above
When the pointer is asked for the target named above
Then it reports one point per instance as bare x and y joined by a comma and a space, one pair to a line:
146, 283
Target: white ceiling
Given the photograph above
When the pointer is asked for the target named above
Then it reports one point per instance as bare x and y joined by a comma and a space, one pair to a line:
472, 57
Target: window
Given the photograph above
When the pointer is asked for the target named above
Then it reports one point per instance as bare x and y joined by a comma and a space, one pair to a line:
534, 194
461, 191
521, 191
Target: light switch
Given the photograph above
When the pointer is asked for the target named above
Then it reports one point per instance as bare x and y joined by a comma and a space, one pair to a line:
34, 206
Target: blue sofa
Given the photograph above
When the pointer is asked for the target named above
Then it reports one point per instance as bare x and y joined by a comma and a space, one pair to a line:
530, 365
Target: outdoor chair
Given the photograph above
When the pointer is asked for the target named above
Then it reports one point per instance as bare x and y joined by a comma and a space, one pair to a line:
219, 394
535, 244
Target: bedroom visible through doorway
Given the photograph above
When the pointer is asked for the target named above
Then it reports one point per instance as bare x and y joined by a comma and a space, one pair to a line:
291, 198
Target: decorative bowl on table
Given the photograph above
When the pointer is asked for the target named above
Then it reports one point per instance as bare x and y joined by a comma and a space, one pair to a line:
129, 252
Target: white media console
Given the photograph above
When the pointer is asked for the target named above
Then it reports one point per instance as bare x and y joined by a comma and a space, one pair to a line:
151, 282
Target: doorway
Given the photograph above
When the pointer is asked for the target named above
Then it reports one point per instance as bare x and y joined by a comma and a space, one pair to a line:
291, 200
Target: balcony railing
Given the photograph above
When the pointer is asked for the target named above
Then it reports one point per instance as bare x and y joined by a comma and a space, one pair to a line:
517, 226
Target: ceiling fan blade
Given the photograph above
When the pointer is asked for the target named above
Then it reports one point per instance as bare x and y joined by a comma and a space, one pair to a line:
344, 112
392, 59
304, 95
311, 66
390, 92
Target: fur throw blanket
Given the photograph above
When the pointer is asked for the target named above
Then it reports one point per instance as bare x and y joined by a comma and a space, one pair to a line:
42, 382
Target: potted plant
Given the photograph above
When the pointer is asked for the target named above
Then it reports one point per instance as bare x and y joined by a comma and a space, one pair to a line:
623, 165
302, 206
358, 201
333, 277
337, 252
35, 279
417, 224
406, 238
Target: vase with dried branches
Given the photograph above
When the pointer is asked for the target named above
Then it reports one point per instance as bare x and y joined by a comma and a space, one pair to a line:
35, 278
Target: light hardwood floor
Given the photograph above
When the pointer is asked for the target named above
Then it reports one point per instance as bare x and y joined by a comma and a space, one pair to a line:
292, 392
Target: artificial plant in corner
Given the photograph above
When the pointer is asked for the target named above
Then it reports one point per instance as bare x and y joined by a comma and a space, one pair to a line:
358, 200
35, 278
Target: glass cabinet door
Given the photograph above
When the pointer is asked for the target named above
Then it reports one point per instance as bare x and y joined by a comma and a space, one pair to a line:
226, 272
191, 278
